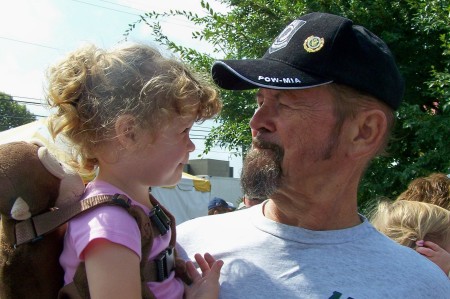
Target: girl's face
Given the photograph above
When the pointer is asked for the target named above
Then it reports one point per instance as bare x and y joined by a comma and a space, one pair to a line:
159, 161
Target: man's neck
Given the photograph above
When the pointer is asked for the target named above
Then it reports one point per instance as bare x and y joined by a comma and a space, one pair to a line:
314, 213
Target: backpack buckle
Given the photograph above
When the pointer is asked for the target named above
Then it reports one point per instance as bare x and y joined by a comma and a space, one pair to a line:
121, 200
160, 219
165, 263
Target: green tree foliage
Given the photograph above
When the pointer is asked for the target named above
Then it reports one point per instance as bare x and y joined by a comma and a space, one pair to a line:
420, 143
13, 114
417, 32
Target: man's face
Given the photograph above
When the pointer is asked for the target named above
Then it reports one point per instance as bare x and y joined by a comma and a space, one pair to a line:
294, 139
219, 210
249, 202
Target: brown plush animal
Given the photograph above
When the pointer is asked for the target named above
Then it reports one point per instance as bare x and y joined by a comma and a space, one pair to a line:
32, 181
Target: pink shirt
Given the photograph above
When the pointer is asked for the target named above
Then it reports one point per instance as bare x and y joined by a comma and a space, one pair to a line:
116, 225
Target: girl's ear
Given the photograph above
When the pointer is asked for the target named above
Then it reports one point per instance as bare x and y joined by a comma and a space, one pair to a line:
126, 130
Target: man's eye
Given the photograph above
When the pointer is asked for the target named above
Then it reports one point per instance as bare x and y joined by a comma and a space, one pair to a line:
186, 130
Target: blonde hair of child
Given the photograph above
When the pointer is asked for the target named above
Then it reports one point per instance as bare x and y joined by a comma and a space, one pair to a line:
409, 221
92, 87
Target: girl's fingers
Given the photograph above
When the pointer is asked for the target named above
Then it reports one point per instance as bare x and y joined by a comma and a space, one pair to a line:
425, 251
192, 271
209, 259
216, 267
207, 263
429, 248
432, 245
202, 263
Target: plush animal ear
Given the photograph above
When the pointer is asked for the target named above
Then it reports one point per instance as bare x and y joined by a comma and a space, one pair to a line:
50, 163
71, 187
36, 141
20, 210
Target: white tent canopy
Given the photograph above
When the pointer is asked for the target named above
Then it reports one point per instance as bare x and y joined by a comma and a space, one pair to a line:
33, 130
187, 200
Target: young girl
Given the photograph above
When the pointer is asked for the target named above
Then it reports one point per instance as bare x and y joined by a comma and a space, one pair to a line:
127, 113
421, 226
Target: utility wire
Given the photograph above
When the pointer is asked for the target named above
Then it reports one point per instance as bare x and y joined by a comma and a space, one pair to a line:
126, 6
116, 10
53, 48
28, 43
41, 103
18, 117
134, 14
29, 98
196, 128
186, 23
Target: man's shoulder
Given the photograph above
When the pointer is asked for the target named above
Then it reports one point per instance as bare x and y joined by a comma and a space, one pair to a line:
209, 233
210, 221
391, 249
405, 261
212, 225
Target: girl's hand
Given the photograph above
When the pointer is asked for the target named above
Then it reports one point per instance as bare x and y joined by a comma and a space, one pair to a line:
205, 285
434, 253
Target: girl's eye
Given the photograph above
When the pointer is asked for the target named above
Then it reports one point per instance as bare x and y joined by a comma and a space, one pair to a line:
187, 130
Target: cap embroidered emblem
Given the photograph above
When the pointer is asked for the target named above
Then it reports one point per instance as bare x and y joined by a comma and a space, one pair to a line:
285, 36
313, 44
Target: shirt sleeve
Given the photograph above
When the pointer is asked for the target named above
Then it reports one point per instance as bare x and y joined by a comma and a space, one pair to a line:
112, 223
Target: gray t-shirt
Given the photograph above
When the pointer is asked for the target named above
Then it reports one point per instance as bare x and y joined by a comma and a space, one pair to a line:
266, 259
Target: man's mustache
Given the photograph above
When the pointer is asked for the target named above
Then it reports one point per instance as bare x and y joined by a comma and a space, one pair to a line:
262, 144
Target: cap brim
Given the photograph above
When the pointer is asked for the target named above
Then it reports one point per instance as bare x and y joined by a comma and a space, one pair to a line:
262, 73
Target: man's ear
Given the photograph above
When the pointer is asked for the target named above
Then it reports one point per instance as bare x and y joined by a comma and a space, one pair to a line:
126, 130
367, 132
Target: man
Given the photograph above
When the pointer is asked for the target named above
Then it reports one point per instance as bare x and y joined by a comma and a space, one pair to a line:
219, 206
248, 202
327, 92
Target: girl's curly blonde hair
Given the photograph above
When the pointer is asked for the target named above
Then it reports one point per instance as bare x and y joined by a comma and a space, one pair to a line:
92, 87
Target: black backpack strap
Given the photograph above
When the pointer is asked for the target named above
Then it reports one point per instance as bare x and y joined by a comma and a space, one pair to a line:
180, 265
156, 223
150, 226
35, 227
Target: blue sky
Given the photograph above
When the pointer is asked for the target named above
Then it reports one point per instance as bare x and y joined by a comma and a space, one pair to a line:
36, 33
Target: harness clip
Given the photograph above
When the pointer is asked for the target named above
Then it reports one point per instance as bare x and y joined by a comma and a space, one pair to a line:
165, 263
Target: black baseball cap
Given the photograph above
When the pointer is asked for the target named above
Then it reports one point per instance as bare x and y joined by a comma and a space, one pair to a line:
317, 49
